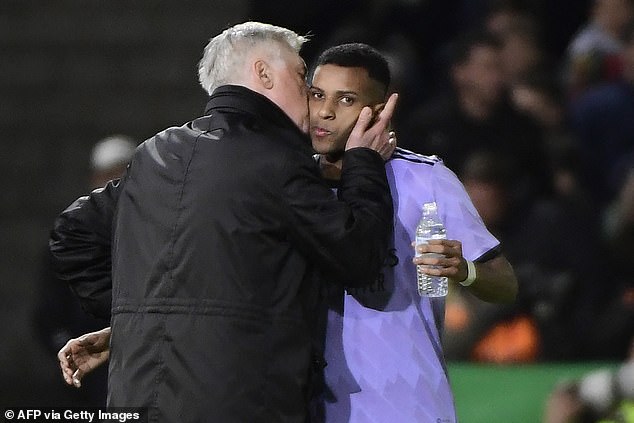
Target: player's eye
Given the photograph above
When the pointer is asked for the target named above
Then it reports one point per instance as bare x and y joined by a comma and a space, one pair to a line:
347, 100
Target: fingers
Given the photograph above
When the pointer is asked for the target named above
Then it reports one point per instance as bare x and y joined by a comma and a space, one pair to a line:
66, 365
77, 378
449, 248
387, 148
392, 138
373, 135
67, 374
386, 114
71, 371
439, 252
365, 117
65, 362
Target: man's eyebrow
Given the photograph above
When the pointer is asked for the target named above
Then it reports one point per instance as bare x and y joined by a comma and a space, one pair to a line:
338, 93
346, 92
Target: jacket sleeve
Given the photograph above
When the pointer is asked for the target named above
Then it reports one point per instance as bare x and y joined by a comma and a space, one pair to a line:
80, 244
346, 237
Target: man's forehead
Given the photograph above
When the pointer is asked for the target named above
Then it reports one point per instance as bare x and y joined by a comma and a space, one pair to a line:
350, 79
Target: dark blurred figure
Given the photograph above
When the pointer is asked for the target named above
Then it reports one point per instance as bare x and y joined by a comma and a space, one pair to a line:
540, 96
603, 122
593, 54
558, 20
521, 52
58, 316
501, 15
614, 322
476, 115
554, 251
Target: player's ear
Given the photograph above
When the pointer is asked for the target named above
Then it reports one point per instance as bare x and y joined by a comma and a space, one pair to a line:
377, 108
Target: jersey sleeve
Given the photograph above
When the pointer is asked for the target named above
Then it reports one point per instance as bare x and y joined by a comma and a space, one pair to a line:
462, 221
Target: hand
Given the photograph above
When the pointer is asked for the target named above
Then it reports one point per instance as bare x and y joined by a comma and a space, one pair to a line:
388, 147
82, 355
452, 264
377, 137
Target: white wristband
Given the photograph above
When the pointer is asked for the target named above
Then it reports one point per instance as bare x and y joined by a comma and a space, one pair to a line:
471, 274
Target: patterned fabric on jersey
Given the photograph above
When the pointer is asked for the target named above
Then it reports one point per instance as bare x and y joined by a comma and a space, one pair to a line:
384, 355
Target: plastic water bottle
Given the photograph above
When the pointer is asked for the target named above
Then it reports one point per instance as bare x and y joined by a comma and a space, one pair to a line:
430, 227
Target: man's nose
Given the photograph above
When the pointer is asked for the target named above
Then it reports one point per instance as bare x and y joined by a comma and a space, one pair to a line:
326, 111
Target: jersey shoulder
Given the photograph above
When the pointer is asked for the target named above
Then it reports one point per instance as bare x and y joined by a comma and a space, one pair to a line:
402, 155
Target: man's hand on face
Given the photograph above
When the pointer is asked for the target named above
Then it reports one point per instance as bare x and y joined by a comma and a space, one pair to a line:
377, 136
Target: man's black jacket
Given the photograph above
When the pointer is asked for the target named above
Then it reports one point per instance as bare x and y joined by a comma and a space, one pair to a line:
221, 231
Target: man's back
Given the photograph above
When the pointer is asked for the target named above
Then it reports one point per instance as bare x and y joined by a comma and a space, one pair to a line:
219, 226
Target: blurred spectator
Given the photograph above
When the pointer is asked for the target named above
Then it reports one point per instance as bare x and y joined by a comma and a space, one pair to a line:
554, 252
109, 158
521, 53
540, 96
614, 321
594, 53
476, 115
502, 15
558, 20
58, 315
602, 120
601, 396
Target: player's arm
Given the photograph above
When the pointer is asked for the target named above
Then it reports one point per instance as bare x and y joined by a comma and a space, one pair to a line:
495, 281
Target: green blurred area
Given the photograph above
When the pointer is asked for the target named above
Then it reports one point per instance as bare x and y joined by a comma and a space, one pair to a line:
487, 393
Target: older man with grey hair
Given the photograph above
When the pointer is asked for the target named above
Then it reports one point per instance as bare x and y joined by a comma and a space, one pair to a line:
222, 230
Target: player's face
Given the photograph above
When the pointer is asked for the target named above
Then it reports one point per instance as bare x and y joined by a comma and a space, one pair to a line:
336, 96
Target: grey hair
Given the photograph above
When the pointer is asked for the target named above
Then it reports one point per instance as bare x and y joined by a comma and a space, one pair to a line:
224, 56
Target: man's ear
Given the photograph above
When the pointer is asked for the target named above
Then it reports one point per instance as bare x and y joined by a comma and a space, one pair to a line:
263, 73
376, 109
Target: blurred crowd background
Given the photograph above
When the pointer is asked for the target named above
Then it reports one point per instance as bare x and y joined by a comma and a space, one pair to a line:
530, 103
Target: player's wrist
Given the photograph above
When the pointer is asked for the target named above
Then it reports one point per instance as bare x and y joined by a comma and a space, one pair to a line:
471, 274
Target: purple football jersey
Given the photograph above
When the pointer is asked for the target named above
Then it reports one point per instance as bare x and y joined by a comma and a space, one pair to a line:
384, 354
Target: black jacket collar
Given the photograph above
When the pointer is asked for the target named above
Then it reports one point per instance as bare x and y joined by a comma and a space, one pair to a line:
247, 101
243, 100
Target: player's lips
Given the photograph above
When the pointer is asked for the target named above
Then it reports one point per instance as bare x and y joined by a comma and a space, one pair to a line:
321, 132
